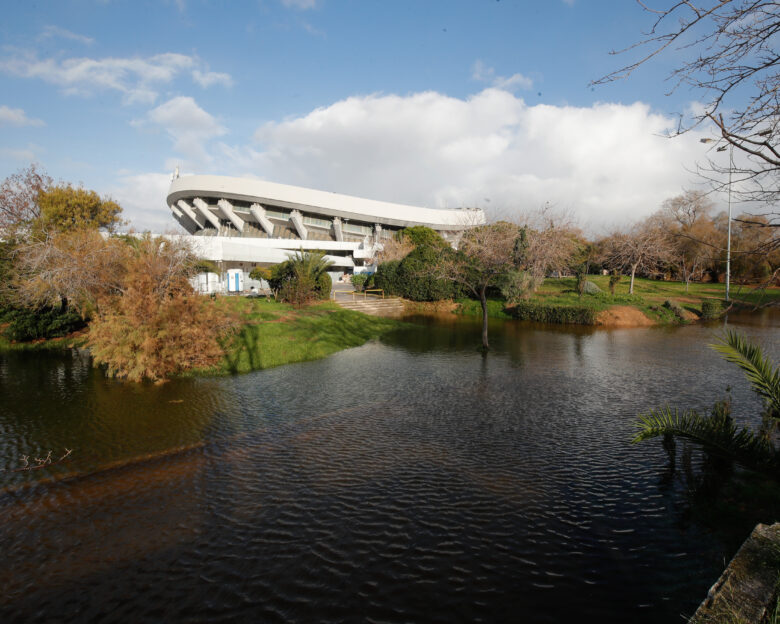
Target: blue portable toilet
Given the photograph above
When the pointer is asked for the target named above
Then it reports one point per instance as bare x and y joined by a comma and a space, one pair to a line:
235, 279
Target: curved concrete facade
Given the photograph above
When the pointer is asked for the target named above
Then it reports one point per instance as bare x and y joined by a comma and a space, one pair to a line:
242, 223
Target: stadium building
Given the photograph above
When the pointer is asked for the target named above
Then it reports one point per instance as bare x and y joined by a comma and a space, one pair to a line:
242, 223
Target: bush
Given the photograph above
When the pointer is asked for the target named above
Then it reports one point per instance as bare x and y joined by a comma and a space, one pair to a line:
48, 322
324, 285
674, 307
260, 273
711, 309
386, 277
420, 235
414, 279
556, 314
359, 280
614, 279
590, 288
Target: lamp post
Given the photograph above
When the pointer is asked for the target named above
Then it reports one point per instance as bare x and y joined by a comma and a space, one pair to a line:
722, 148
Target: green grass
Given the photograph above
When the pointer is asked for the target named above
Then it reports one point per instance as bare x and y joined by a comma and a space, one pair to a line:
272, 334
649, 297
53, 344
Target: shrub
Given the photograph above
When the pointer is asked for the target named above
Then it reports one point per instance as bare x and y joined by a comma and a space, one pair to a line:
386, 278
556, 314
359, 280
421, 235
205, 266
582, 278
414, 279
324, 285
674, 307
260, 273
29, 324
711, 309
614, 279
591, 288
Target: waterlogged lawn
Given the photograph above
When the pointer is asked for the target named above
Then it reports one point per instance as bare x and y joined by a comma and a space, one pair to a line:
271, 334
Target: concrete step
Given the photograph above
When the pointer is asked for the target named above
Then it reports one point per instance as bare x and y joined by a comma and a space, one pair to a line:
377, 307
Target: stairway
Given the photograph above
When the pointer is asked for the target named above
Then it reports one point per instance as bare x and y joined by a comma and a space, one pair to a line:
391, 306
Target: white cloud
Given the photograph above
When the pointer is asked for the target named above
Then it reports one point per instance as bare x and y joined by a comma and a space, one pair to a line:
142, 198
208, 78
55, 31
302, 5
607, 162
17, 117
189, 126
136, 78
483, 73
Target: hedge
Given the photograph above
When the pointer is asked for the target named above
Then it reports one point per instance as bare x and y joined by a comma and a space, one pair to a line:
555, 314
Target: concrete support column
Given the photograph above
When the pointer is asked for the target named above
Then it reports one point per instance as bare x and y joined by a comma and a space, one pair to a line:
227, 209
187, 210
258, 212
337, 229
297, 218
203, 208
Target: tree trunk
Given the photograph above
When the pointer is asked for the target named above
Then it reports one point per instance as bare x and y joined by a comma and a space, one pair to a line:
483, 301
631, 288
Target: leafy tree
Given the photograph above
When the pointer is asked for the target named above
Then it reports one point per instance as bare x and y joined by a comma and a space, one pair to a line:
422, 235
65, 208
359, 280
260, 273
206, 266
718, 432
416, 276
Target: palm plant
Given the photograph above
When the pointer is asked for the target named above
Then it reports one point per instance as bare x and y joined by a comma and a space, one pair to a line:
717, 432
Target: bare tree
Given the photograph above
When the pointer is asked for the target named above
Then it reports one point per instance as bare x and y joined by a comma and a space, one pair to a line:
19, 194
485, 254
643, 248
728, 51
69, 268
694, 241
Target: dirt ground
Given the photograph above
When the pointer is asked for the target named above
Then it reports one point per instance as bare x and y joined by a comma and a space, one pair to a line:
623, 316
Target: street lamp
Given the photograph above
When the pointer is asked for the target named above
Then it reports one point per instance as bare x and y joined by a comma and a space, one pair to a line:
722, 148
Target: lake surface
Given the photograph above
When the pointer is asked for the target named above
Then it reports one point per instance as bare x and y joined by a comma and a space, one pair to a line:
408, 480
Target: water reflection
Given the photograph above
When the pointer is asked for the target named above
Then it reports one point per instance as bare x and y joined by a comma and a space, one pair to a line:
411, 479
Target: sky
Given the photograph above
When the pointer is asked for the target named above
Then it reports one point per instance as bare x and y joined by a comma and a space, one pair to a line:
438, 103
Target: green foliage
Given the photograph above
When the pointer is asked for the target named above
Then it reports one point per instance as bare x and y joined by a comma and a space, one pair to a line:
205, 266
552, 313
711, 309
298, 280
591, 288
359, 280
65, 208
414, 276
323, 285
516, 284
30, 324
421, 235
582, 278
386, 277
472, 307
675, 309
614, 280
261, 273
717, 432
764, 378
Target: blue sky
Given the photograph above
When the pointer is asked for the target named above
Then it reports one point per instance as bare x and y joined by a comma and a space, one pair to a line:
438, 103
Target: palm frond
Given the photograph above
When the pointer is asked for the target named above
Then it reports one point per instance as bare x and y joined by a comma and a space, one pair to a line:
717, 432
763, 377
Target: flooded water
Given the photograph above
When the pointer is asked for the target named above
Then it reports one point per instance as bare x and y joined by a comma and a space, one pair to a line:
408, 480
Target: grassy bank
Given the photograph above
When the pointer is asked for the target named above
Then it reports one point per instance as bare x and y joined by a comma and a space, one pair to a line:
557, 301
271, 334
